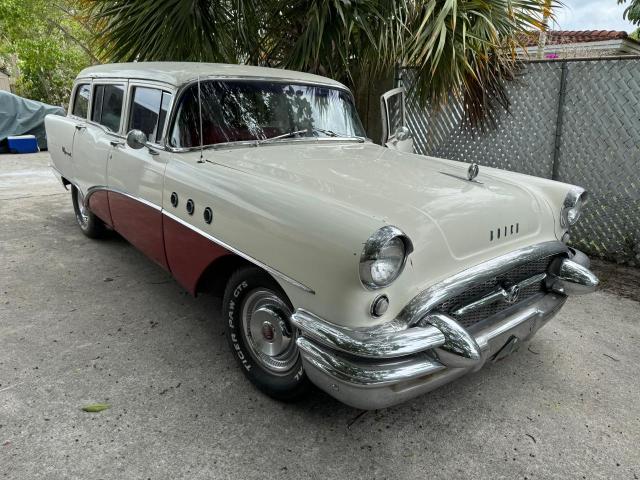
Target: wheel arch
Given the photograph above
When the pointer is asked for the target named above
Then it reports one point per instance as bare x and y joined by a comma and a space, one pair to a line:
216, 275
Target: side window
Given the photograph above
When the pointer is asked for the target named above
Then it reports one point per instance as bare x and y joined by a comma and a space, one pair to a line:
81, 101
107, 105
149, 111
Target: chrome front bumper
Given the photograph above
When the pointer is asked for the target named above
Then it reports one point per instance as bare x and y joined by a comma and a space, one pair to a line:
386, 365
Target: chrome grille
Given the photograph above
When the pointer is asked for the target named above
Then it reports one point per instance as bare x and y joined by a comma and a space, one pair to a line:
479, 290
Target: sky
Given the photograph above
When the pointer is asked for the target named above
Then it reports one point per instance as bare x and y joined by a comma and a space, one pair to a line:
592, 15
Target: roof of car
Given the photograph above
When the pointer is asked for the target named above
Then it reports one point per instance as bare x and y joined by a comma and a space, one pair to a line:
179, 73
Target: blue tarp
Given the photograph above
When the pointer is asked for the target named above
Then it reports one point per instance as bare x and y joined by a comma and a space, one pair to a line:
21, 116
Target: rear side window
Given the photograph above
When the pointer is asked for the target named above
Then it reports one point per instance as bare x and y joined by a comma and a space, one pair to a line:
149, 111
107, 105
81, 101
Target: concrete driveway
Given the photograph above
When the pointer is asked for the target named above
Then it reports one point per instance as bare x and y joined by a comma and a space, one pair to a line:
85, 321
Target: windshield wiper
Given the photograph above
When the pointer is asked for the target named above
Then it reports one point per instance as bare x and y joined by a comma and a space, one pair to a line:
329, 133
284, 135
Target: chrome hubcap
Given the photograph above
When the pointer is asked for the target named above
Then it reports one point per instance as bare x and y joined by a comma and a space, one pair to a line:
83, 214
265, 325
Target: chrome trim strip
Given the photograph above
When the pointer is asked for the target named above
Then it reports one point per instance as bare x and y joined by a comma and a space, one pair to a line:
247, 257
367, 375
498, 294
422, 303
256, 143
208, 236
97, 188
364, 343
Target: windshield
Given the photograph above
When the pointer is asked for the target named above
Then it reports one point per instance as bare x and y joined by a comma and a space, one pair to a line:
239, 110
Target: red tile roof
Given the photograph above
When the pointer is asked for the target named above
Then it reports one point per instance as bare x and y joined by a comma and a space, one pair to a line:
560, 37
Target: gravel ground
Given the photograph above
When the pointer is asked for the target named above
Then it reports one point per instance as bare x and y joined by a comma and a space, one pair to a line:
86, 321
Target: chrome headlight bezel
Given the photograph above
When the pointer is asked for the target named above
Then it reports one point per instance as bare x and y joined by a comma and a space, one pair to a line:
371, 253
572, 206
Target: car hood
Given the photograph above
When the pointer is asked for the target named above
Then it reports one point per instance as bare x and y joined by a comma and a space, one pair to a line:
413, 192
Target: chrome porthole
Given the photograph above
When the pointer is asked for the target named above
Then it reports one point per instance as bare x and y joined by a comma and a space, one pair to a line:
267, 333
190, 207
174, 199
208, 215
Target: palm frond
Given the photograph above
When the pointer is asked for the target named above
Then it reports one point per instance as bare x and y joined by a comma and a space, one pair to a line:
632, 12
466, 49
190, 30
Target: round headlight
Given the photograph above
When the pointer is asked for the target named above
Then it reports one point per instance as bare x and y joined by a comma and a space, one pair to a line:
572, 207
383, 257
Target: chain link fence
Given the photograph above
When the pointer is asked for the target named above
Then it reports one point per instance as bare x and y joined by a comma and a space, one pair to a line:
575, 121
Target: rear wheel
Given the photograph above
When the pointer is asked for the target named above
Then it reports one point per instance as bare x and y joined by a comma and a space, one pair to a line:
90, 225
256, 312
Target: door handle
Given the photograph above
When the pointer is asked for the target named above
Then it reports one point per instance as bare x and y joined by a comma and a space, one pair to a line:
115, 143
153, 152
65, 151
80, 127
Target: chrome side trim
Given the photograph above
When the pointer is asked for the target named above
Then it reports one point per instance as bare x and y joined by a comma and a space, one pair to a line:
500, 294
367, 375
422, 303
365, 343
247, 257
208, 236
97, 188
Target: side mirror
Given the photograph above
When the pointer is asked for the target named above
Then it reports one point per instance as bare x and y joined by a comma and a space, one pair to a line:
403, 133
136, 139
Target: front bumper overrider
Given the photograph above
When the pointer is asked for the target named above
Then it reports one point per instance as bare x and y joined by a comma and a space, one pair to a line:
423, 349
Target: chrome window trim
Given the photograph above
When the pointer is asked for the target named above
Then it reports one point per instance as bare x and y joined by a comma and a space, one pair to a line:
72, 104
181, 90
422, 303
164, 88
125, 99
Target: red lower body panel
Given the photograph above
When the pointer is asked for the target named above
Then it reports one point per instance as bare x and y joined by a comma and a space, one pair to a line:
188, 253
99, 205
140, 224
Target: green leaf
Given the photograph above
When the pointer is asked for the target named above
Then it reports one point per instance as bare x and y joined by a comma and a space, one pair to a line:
96, 407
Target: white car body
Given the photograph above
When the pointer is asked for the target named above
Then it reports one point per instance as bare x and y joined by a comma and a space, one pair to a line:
303, 208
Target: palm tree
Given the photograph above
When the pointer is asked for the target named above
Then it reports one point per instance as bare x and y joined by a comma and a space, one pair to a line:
464, 48
632, 12
542, 39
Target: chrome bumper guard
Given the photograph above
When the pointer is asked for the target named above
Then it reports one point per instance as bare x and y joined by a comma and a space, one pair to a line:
386, 365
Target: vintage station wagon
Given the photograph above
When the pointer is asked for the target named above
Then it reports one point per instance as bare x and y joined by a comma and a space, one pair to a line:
373, 273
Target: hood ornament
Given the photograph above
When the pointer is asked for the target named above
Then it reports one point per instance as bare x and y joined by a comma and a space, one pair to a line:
473, 171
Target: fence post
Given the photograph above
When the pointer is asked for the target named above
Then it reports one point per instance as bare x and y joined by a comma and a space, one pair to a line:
559, 121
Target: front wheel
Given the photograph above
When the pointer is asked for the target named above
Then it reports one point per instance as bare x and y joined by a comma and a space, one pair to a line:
90, 225
256, 313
